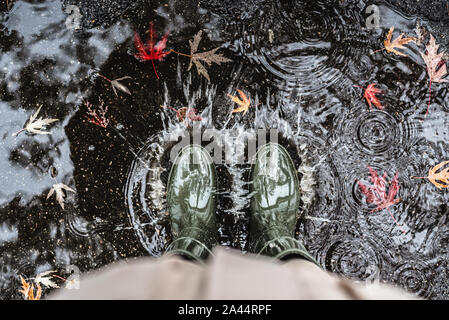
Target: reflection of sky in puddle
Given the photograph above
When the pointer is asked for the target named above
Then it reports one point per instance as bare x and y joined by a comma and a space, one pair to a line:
8, 232
42, 36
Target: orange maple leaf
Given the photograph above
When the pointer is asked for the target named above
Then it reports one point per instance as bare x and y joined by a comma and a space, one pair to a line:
397, 43
434, 176
244, 102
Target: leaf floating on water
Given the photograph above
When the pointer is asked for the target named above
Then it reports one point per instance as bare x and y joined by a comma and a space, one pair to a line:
58, 188
439, 179
244, 102
370, 95
397, 43
208, 57
436, 65
36, 126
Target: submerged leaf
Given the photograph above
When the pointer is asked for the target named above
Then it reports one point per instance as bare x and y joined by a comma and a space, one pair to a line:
116, 85
185, 114
377, 193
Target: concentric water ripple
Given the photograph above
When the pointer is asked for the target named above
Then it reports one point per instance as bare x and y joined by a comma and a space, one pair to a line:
372, 135
145, 195
414, 276
323, 44
355, 258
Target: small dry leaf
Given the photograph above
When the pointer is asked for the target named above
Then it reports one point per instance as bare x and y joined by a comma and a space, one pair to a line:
207, 57
117, 85
244, 102
97, 116
36, 126
44, 279
58, 188
439, 179
397, 43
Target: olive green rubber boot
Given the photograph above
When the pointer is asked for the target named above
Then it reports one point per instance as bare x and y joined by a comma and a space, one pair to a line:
275, 205
191, 204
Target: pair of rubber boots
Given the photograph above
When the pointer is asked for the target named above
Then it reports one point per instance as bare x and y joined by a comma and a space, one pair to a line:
191, 202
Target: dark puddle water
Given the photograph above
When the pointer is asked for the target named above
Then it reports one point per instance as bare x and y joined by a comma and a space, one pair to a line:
298, 61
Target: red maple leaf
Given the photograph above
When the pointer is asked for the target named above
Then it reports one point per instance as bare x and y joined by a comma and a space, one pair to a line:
149, 51
370, 95
377, 192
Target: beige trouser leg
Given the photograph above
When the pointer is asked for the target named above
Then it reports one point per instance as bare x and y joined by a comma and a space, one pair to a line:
227, 275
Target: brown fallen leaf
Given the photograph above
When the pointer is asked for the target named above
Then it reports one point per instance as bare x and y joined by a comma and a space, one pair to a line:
244, 102
434, 176
397, 43
207, 57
